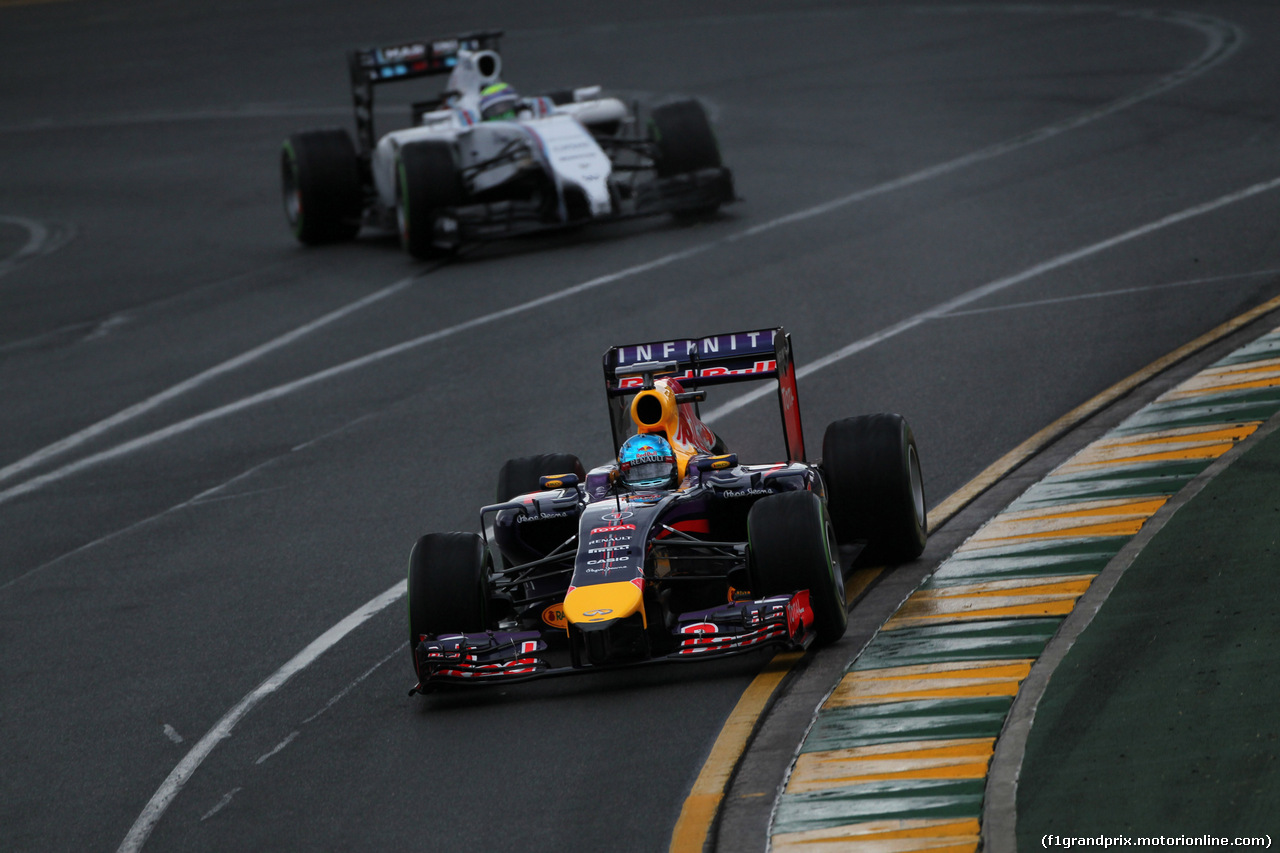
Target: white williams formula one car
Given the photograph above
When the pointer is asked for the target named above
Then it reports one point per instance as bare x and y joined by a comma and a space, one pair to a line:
482, 162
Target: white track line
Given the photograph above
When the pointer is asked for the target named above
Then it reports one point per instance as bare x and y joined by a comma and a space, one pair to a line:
1105, 294
207, 496
40, 241
337, 370
942, 309
72, 441
169, 789
1223, 39
160, 801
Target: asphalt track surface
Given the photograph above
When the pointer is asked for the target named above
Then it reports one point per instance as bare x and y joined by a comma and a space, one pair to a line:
150, 581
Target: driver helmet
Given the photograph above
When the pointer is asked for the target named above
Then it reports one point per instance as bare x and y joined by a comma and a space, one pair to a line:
647, 461
498, 101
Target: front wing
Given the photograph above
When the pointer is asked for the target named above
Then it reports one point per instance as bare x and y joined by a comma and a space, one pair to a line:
784, 621
692, 191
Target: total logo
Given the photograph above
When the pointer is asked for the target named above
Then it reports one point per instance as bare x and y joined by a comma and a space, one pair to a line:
612, 528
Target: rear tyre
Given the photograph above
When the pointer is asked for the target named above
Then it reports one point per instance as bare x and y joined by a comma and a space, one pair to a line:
448, 587
792, 546
427, 181
874, 486
520, 476
320, 180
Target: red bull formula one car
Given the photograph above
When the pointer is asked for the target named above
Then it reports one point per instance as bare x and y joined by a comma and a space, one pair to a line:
677, 550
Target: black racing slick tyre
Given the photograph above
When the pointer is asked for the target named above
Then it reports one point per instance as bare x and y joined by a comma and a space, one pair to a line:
683, 139
520, 476
427, 181
792, 546
874, 487
448, 587
320, 180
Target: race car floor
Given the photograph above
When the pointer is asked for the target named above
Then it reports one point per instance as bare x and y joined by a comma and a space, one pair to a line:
899, 755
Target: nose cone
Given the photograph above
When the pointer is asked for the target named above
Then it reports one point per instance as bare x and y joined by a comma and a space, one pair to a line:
603, 602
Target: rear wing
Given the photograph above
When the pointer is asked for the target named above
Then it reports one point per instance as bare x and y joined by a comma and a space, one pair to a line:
404, 61
703, 362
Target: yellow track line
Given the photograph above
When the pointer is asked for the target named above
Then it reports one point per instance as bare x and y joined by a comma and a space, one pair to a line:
700, 808
959, 499
708, 790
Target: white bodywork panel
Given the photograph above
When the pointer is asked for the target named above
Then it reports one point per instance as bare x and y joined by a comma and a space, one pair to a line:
575, 158
557, 138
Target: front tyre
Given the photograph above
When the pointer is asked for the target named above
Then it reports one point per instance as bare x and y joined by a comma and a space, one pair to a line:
683, 139
684, 143
874, 486
320, 182
427, 182
792, 546
448, 587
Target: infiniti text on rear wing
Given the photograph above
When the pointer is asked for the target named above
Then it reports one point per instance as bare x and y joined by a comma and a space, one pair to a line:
707, 361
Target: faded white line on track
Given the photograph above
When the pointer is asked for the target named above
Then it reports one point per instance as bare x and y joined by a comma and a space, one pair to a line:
72, 441
1103, 294
169, 789
41, 240
337, 370
1224, 39
222, 804
281, 745
944, 308
338, 697
207, 496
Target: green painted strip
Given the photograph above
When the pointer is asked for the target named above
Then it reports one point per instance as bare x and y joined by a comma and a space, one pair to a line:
1004, 639
1083, 547
896, 722
1017, 568
1065, 489
927, 798
1263, 348
1255, 405
1170, 470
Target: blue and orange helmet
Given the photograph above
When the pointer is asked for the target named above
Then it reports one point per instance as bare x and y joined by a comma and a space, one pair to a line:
498, 101
647, 462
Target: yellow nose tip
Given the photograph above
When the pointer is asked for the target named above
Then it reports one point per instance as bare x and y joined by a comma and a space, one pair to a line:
602, 601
